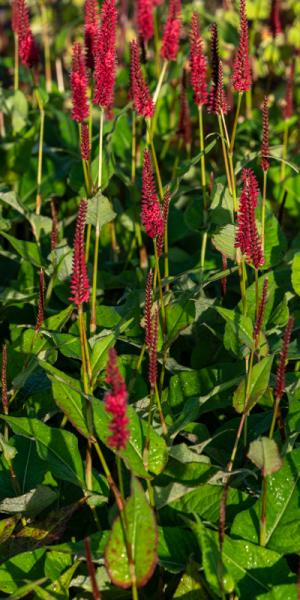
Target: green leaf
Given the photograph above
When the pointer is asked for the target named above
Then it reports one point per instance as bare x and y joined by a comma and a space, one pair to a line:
275, 241
71, 403
101, 203
179, 316
253, 570
11, 199
7, 527
283, 510
211, 557
190, 586
142, 536
59, 448
260, 377
296, 273
238, 331
265, 455
175, 547
57, 321
31, 503
28, 250
17, 570
134, 451
100, 353
224, 239
19, 111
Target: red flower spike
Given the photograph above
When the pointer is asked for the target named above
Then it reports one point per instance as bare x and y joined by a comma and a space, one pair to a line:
265, 163
105, 70
170, 43
241, 79
151, 214
28, 50
116, 404
148, 307
275, 23
247, 238
4, 380
145, 19
216, 100
80, 286
224, 279
79, 84
280, 376
261, 311
41, 306
198, 64
165, 213
85, 148
140, 94
288, 102
157, 2
153, 351
54, 228
91, 29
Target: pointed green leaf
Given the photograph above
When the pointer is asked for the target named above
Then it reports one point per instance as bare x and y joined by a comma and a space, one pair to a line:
59, 448
259, 382
142, 536
265, 455
296, 273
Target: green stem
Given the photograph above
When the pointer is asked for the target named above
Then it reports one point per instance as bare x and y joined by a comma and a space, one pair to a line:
112, 485
16, 69
263, 518
46, 41
263, 211
40, 154
160, 82
237, 114
161, 296
97, 232
160, 411
237, 439
274, 417
89, 466
203, 185
225, 154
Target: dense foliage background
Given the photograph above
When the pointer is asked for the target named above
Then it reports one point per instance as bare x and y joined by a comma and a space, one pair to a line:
47, 510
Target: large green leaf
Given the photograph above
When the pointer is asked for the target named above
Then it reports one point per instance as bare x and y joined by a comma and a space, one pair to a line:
59, 448
296, 273
250, 569
176, 545
133, 453
282, 513
238, 332
18, 569
27, 250
190, 586
259, 382
265, 455
141, 532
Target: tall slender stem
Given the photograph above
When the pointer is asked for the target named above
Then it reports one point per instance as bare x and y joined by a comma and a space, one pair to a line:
89, 466
16, 65
160, 81
284, 151
161, 296
46, 42
40, 153
97, 232
237, 114
225, 154
137, 226
203, 185
263, 211
263, 518
160, 411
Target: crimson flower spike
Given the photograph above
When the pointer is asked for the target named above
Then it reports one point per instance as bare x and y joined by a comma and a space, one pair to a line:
145, 23
153, 351
41, 306
79, 84
15, 16
288, 102
148, 308
265, 163
151, 214
247, 238
85, 147
170, 43
165, 214
141, 97
216, 100
198, 64
80, 287
116, 404
275, 23
261, 311
105, 69
28, 50
91, 17
280, 376
4, 380
241, 79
